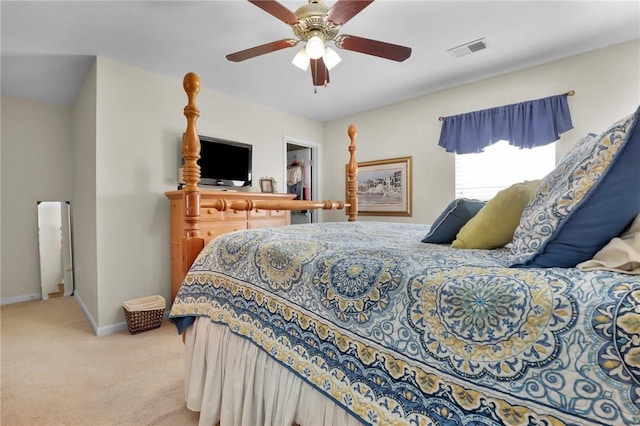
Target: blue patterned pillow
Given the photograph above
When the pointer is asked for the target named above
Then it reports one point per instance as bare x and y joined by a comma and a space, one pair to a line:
452, 219
590, 198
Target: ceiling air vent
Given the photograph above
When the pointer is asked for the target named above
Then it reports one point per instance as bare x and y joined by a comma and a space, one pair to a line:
467, 48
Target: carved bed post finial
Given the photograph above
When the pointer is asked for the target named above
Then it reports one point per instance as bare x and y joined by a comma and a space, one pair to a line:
191, 154
190, 140
352, 176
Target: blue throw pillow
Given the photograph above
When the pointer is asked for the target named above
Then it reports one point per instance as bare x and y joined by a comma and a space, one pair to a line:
452, 219
590, 198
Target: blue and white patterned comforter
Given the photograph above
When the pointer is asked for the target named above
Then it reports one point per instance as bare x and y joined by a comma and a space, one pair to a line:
398, 331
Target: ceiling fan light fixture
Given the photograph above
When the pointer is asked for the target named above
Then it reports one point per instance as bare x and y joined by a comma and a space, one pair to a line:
315, 47
302, 60
315, 25
331, 58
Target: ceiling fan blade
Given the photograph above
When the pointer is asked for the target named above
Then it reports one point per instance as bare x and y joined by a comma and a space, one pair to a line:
274, 8
373, 47
319, 72
261, 50
344, 10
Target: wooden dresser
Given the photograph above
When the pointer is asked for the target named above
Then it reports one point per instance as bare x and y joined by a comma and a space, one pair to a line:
214, 223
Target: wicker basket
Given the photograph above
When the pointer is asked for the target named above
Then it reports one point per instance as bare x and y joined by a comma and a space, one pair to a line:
144, 314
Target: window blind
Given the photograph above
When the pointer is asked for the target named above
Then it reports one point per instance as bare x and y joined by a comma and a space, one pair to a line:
482, 175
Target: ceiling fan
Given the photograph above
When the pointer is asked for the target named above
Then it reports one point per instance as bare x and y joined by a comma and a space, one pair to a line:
316, 24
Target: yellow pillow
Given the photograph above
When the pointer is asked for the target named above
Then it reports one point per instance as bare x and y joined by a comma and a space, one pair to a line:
496, 222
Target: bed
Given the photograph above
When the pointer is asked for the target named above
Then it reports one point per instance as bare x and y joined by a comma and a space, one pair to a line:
363, 323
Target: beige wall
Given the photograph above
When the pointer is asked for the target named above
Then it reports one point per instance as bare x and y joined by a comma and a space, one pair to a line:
36, 166
83, 204
607, 85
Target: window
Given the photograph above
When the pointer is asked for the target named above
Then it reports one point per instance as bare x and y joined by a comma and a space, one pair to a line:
482, 175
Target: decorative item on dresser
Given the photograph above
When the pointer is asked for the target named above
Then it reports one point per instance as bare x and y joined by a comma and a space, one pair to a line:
267, 185
214, 223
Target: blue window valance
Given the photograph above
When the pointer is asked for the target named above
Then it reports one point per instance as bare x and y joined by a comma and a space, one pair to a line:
525, 125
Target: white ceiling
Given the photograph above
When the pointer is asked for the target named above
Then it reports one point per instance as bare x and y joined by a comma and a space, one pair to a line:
47, 47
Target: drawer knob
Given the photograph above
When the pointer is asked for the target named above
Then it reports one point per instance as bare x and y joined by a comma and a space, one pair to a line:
210, 233
210, 211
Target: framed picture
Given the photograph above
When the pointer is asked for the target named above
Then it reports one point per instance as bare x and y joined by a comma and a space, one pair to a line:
384, 187
266, 185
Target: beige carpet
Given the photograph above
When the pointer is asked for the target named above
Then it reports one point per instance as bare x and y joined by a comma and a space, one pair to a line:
56, 372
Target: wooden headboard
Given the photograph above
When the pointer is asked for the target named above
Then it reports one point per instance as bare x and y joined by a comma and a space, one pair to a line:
192, 241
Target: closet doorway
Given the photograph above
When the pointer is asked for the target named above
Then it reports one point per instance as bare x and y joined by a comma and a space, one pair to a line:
301, 177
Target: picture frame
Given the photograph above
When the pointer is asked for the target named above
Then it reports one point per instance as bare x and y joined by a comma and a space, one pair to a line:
384, 187
266, 185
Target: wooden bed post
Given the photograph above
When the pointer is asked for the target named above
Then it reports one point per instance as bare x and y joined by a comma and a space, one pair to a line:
352, 176
191, 174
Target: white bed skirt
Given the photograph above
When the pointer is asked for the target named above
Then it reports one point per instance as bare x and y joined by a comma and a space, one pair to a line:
229, 380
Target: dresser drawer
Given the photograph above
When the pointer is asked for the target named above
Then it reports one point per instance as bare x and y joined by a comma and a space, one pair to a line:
278, 213
210, 214
265, 214
211, 230
258, 214
253, 224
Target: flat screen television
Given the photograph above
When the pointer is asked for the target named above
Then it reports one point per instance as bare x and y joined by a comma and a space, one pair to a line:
224, 163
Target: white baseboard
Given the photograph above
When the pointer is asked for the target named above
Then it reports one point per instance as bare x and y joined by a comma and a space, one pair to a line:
99, 331
19, 299
113, 328
121, 326
86, 313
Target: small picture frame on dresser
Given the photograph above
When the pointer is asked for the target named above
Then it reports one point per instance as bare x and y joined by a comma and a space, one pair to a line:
266, 185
